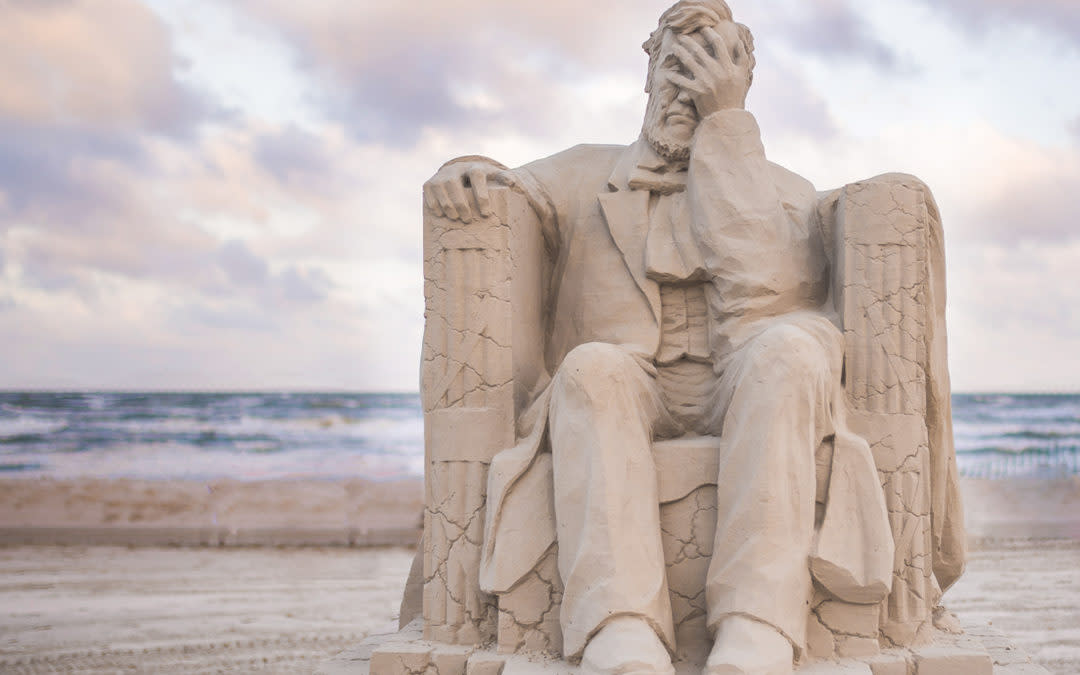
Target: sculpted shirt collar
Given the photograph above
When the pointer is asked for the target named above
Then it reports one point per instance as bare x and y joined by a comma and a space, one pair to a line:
641, 168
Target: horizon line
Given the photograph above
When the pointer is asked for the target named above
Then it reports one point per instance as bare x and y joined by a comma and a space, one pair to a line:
316, 390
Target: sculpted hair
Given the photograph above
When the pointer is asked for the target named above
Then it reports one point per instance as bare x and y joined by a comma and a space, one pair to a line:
687, 16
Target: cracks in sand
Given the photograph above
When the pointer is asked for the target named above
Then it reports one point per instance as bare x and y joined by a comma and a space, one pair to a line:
834, 628
698, 511
454, 518
529, 614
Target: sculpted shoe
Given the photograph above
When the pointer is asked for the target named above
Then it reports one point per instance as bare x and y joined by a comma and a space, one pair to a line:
626, 646
747, 647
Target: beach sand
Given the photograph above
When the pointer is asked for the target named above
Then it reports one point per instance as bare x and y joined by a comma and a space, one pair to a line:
220, 512
110, 609
232, 599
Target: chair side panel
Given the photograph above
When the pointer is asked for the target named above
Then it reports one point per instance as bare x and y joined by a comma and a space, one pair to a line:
468, 395
881, 293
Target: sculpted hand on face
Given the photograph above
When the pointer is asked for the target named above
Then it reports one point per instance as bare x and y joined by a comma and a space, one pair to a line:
719, 75
697, 74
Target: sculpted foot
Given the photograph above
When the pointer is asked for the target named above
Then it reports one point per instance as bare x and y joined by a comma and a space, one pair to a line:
626, 646
747, 647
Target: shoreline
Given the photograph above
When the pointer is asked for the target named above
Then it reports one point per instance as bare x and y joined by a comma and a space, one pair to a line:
359, 513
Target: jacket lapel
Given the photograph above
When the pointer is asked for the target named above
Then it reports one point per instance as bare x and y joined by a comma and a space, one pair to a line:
627, 215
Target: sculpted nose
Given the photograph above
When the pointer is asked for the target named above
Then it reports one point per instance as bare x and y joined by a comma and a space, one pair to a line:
683, 97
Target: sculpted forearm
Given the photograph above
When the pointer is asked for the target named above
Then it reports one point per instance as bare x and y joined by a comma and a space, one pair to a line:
732, 192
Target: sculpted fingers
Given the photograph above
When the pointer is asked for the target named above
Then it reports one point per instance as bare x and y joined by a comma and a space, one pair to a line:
456, 190
695, 66
451, 192
478, 180
430, 201
695, 50
682, 82
717, 82
722, 53
443, 197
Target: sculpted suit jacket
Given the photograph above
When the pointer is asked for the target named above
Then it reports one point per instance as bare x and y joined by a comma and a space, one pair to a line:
756, 228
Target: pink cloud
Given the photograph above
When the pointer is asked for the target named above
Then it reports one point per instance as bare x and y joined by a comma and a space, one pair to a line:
104, 64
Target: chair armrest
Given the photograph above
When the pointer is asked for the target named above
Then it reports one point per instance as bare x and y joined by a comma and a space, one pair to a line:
877, 235
484, 317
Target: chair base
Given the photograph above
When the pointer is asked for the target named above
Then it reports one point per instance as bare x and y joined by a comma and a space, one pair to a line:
979, 651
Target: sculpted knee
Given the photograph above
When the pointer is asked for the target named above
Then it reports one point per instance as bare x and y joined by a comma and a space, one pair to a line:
790, 354
593, 368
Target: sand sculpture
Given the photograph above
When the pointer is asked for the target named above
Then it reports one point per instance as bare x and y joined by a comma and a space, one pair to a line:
682, 410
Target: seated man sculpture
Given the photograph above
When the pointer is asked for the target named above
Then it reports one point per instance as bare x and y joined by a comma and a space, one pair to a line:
689, 296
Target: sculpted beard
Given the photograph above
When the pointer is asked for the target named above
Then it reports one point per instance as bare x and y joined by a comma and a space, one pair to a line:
663, 141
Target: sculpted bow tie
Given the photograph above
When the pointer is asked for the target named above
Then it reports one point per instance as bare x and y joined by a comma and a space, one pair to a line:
655, 174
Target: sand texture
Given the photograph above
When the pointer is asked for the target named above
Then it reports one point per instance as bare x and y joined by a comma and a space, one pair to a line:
1026, 508
190, 610
216, 606
221, 512
266, 610
1030, 592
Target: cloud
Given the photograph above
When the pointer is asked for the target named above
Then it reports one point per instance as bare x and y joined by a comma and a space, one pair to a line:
1017, 190
307, 285
146, 239
182, 342
391, 70
1044, 206
1074, 129
835, 30
80, 63
44, 170
784, 102
87, 90
1055, 16
522, 69
292, 285
100, 213
991, 186
1012, 324
293, 154
242, 266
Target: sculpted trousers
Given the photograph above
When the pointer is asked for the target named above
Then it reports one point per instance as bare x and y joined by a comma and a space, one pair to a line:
770, 407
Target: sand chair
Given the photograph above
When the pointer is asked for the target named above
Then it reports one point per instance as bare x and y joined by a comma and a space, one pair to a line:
483, 362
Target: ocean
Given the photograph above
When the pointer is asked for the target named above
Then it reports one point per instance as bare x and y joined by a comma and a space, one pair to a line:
198, 436
264, 436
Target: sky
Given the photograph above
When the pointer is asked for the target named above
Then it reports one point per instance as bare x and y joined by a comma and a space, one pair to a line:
226, 194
